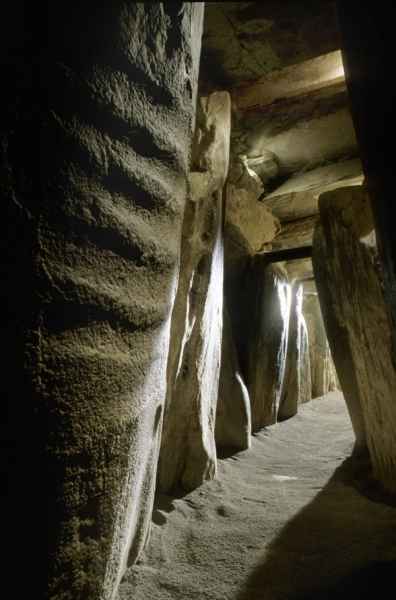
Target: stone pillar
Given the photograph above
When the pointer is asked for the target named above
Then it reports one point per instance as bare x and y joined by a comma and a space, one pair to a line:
268, 341
188, 450
297, 381
101, 103
367, 48
233, 418
323, 375
349, 283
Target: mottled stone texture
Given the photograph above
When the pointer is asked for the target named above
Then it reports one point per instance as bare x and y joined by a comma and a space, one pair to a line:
323, 375
248, 222
297, 379
96, 159
352, 300
268, 341
336, 329
188, 450
233, 416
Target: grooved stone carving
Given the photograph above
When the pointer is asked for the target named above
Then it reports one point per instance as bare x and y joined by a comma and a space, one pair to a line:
101, 196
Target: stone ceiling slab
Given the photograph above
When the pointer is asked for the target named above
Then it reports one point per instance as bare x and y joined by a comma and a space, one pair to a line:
243, 41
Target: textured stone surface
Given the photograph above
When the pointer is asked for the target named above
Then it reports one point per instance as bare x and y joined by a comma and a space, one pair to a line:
188, 452
98, 148
297, 380
355, 304
268, 342
300, 135
298, 196
295, 80
294, 234
323, 375
248, 222
233, 417
367, 41
246, 40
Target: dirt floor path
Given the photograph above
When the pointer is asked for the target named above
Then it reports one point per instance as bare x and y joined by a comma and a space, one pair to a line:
292, 518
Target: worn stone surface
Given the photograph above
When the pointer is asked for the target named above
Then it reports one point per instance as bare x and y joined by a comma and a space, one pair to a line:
323, 375
233, 416
297, 380
355, 304
294, 234
268, 342
97, 146
297, 136
303, 78
297, 198
245, 40
248, 222
188, 452
299, 269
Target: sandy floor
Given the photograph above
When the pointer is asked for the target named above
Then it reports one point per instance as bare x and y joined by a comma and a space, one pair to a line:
291, 518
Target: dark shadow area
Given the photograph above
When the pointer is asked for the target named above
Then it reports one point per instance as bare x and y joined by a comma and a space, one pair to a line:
163, 503
228, 452
341, 545
370, 581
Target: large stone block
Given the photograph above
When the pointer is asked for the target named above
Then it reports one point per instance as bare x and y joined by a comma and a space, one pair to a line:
297, 380
268, 340
98, 148
349, 282
323, 375
248, 222
188, 451
233, 417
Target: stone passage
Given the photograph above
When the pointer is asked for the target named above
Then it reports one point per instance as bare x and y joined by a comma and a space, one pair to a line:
286, 519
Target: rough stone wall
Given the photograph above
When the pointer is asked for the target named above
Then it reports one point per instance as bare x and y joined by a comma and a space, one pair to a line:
96, 161
188, 450
323, 375
268, 342
297, 380
345, 256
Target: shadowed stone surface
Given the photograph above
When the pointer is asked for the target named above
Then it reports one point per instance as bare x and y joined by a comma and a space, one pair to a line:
248, 222
298, 196
97, 149
245, 40
356, 305
323, 375
233, 417
188, 452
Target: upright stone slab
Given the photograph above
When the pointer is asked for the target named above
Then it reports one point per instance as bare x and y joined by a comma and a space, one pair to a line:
188, 450
349, 282
323, 375
297, 380
233, 417
268, 339
99, 126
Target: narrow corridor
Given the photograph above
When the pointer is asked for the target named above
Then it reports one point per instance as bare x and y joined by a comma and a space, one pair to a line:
293, 517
